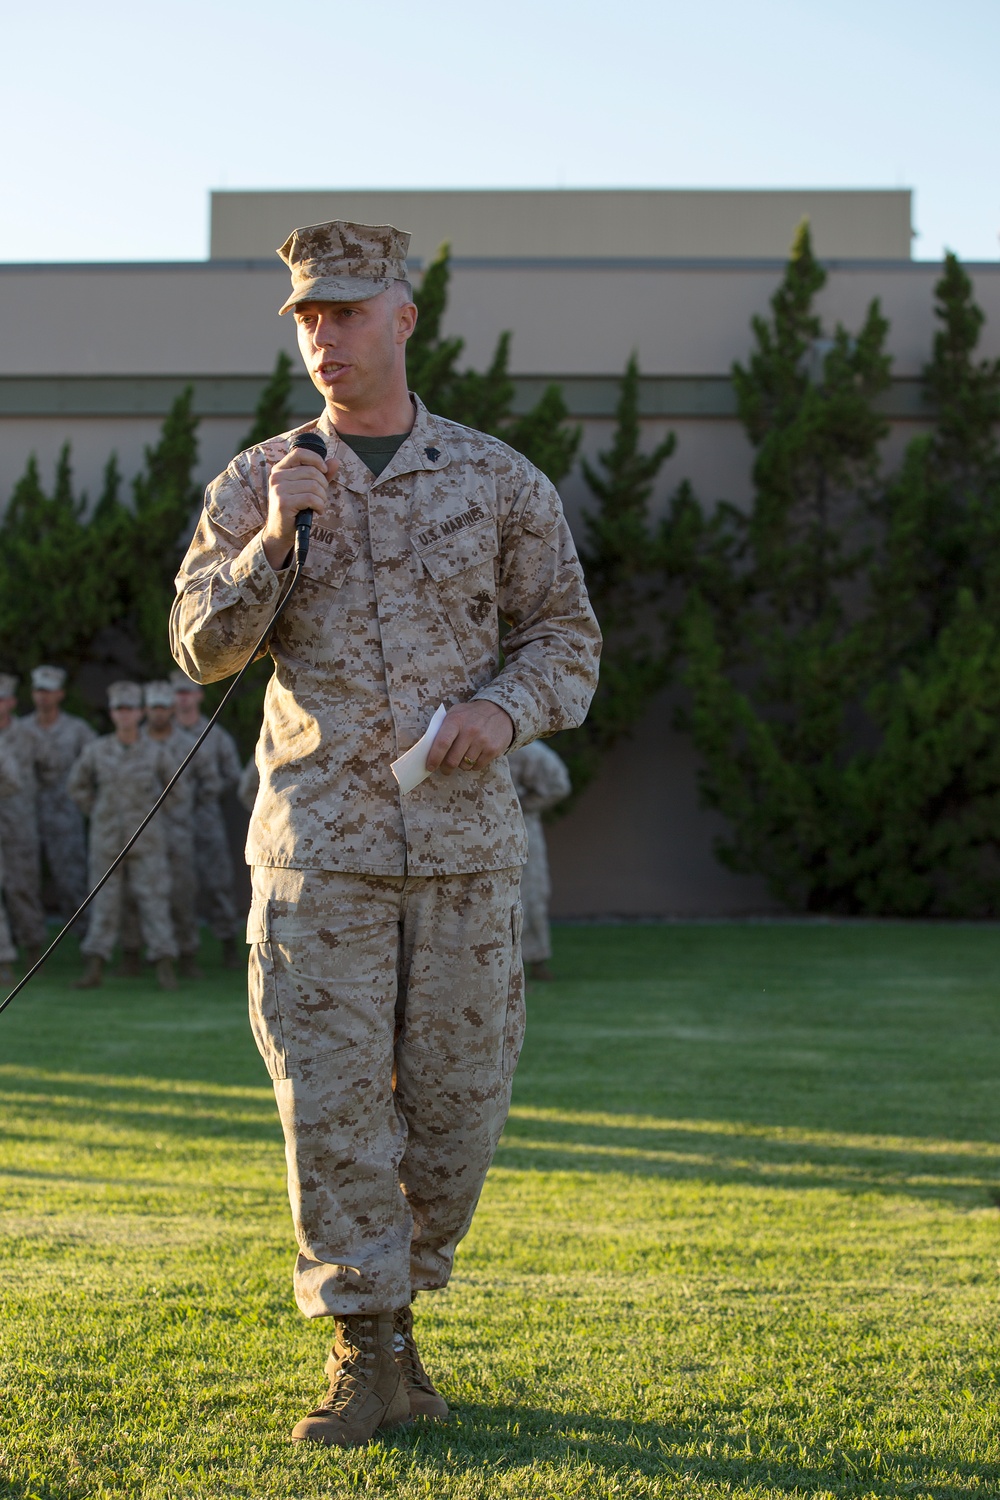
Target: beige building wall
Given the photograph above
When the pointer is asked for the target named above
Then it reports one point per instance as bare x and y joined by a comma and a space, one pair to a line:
613, 223
94, 355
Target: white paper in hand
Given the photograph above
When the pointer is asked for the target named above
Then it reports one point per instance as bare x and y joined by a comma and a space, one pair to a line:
411, 767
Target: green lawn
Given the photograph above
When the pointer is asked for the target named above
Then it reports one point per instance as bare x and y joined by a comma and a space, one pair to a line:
741, 1237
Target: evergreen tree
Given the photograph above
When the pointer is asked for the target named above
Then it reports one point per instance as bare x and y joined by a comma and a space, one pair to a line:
775, 660
483, 400
165, 503
622, 558
273, 413
930, 791
54, 592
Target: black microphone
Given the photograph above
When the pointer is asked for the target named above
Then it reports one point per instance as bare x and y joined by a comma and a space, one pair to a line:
303, 521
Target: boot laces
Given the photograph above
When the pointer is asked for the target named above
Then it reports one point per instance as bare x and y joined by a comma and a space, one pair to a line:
350, 1380
406, 1354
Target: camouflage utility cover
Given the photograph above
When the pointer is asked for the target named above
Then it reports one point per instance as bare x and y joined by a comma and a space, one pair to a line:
343, 262
397, 612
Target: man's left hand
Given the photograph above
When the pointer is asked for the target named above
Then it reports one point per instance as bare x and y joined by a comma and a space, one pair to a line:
471, 737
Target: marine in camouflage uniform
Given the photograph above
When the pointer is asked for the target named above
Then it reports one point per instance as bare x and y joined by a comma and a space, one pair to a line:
386, 990
115, 782
222, 770
19, 832
57, 739
10, 782
541, 780
196, 787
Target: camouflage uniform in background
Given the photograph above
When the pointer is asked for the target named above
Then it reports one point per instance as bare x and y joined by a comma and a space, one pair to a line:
61, 829
540, 780
220, 766
116, 785
19, 840
10, 784
385, 928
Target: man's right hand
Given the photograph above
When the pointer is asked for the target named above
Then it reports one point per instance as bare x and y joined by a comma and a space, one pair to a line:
298, 482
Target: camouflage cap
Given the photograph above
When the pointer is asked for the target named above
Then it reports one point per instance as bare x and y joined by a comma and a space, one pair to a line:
182, 683
343, 262
158, 695
8, 685
48, 679
124, 695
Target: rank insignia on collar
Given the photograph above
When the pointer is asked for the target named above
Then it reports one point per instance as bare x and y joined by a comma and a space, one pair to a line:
433, 454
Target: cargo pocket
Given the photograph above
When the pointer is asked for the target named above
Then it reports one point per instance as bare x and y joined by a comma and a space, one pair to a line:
513, 1035
265, 1016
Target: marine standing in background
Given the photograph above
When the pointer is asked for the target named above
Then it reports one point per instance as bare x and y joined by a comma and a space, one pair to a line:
57, 739
540, 781
115, 782
198, 786
10, 782
217, 891
19, 833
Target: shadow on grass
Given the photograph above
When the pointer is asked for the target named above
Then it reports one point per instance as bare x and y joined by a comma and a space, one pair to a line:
731, 1156
504, 1438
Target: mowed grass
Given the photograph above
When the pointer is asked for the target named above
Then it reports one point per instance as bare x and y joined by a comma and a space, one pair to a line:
741, 1237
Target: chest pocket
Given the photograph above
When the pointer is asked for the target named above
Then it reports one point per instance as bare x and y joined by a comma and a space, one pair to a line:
472, 547
462, 570
307, 630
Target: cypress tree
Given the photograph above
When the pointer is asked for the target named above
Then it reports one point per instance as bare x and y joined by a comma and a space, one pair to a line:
482, 399
166, 500
53, 594
775, 660
930, 791
622, 559
273, 413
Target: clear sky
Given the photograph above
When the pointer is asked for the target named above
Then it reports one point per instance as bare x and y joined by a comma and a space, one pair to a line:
118, 119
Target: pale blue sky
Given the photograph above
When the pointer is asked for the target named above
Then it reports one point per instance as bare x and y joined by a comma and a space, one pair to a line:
117, 120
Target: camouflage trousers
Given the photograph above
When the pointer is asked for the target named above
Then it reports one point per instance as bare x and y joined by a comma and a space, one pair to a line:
183, 893
145, 878
390, 1014
8, 953
63, 838
536, 888
22, 886
216, 894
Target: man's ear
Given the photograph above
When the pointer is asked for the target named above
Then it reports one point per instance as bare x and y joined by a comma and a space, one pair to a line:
406, 321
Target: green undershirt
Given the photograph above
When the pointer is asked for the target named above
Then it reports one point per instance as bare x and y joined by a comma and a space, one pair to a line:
376, 452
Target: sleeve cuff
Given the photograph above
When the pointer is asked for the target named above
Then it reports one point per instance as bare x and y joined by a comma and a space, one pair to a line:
252, 576
518, 706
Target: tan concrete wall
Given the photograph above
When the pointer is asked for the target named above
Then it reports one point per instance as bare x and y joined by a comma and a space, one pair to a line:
601, 222
637, 844
205, 319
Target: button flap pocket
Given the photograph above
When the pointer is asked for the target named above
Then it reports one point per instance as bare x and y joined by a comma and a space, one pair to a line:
467, 547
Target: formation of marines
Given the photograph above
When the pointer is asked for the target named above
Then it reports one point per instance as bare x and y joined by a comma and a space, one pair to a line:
69, 802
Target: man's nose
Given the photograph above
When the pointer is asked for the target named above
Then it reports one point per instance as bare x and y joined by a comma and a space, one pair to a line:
326, 333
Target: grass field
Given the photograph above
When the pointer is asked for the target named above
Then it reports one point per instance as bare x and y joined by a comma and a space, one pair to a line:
741, 1237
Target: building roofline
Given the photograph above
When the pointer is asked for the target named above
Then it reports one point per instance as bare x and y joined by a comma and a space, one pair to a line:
501, 263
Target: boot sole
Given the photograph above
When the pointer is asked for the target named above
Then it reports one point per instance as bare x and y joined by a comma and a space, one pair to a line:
336, 1441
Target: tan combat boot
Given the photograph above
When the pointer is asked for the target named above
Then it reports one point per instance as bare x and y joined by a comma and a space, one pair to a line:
424, 1399
93, 975
165, 976
366, 1392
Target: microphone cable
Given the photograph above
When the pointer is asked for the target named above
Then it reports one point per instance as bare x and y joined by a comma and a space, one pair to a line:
303, 524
